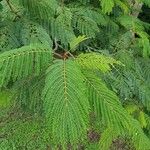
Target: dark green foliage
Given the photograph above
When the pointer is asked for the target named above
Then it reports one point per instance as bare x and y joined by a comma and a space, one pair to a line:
74, 75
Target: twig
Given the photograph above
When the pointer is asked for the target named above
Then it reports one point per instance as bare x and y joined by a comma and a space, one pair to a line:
56, 45
57, 55
70, 54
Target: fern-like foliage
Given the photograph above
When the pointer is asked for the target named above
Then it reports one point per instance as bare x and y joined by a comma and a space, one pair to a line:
106, 105
8, 39
61, 26
108, 135
84, 21
28, 94
136, 26
132, 81
107, 6
65, 103
110, 111
20, 63
33, 33
96, 61
43, 10
69, 72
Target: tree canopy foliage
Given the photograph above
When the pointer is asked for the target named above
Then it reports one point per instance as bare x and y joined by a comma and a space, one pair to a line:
74, 74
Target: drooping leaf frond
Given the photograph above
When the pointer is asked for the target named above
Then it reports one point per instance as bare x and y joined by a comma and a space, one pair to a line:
75, 42
95, 15
61, 28
22, 62
43, 10
136, 26
96, 61
144, 43
85, 25
109, 110
123, 41
27, 93
65, 103
107, 6
133, 79
107, 138
137, 113
139, 139
33, 33
105, 103
8, 39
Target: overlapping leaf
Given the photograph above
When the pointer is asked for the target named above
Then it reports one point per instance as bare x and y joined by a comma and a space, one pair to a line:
22, 62
65, 103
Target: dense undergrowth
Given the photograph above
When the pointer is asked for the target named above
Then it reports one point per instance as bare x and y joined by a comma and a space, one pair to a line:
74, 75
